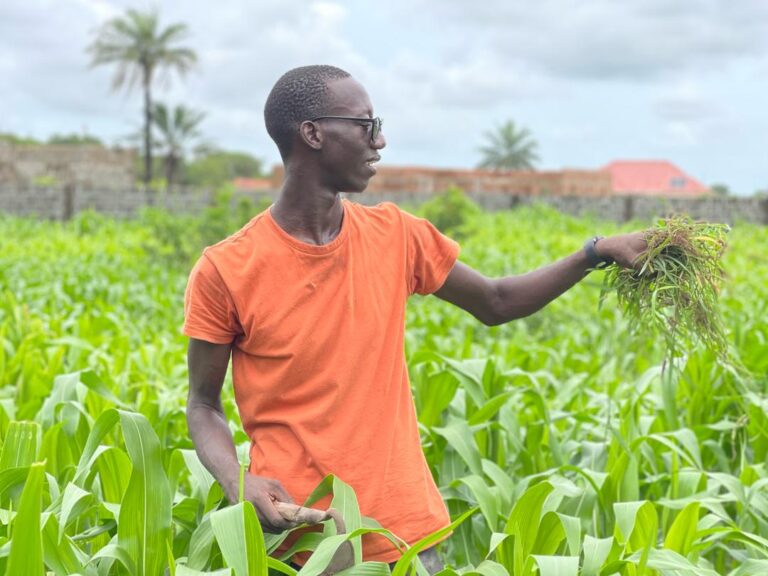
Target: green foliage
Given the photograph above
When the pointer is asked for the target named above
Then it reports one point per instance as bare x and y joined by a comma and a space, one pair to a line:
220, 167
721, 190
509, 148
140, 50
179, 130
675, 291
16, 139
452, 212
71, 139
45, 181
548, 437
74, 139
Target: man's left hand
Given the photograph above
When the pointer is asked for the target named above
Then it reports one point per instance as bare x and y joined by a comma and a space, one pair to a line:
624, 249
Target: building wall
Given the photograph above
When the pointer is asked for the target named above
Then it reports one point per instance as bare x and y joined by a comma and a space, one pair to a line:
84, 166
395, 179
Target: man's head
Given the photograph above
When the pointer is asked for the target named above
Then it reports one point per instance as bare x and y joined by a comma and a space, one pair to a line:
311, 113
300, 94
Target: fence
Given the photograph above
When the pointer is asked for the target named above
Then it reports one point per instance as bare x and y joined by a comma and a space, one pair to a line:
61, 203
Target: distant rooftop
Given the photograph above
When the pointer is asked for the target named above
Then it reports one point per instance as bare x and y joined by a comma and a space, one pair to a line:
653, 177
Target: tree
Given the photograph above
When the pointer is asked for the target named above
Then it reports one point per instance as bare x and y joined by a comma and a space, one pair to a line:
509, 148
721, 190
74, 139
218, 167
17, 140
141, 50
178, 130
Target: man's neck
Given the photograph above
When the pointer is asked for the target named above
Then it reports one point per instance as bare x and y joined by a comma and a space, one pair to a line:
307, 211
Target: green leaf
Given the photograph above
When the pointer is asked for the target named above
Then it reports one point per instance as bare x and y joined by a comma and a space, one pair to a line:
20, 446
182, 570
345, 501
682, 533
200, 544
74, 501
61, 554
460, 437
144, 524
751, 567
483, 497
557, 565
103, 425
402, 565
240, 539
523, 523
26, 553
113, 551
667, 560
596, 551
550, 534
367, 569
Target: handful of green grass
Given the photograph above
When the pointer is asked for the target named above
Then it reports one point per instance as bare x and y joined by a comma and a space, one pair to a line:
674, 289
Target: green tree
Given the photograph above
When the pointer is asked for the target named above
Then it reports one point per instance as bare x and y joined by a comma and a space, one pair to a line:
142, 50
75, 140
15, 139
178, 130
451, 211
509, 148
720, 190
218, 167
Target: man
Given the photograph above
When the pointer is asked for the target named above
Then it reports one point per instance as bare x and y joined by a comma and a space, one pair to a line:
309, 300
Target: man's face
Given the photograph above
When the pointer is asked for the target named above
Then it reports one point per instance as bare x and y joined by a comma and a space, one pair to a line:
348, 151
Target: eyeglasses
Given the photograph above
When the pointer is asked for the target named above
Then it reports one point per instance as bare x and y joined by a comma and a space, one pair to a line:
374, 122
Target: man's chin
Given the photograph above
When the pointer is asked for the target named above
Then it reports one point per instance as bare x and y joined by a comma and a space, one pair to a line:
357, 187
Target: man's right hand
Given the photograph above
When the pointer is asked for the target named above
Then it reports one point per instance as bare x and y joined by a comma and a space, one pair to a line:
212, 438
262, 493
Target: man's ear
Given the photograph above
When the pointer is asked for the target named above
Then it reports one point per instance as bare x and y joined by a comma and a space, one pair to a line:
311, 135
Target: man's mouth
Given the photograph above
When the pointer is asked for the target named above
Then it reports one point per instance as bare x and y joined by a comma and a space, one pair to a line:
370, 162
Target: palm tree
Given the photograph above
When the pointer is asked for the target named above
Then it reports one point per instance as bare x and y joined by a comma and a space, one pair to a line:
141, 50
509, 148
179, 129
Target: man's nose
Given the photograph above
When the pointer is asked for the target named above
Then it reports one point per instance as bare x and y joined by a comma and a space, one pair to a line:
380, 141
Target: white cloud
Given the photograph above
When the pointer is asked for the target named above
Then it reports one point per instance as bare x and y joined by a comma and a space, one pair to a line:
608, 39
593, 80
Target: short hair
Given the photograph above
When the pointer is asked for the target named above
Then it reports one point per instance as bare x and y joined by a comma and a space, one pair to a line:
300, 94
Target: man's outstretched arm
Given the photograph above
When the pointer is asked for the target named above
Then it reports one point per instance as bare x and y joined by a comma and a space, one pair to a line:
213, 441
495, 301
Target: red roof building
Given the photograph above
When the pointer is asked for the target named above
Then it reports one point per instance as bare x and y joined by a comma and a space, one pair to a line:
654, 178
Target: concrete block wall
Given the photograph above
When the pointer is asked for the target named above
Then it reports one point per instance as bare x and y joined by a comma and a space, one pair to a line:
58, 203
86, 165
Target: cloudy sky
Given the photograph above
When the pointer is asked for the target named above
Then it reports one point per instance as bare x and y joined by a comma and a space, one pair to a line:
594, 81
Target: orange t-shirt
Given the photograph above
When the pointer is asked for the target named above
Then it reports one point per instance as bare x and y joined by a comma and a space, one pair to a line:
318, 361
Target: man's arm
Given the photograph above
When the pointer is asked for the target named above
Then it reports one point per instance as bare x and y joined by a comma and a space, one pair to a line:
213, 441
495, 301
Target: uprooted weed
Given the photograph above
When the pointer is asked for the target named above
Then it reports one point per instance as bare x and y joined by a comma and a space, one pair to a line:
674, 289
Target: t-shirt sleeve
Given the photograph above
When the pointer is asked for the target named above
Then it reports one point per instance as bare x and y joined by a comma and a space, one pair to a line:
431, 255
209, 311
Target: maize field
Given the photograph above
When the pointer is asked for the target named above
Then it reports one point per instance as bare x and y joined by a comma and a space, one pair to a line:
561, 444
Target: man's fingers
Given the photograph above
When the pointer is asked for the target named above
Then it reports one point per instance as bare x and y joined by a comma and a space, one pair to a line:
269, 515
279, 493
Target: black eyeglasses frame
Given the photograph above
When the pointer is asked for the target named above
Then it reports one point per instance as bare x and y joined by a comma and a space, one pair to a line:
374, 122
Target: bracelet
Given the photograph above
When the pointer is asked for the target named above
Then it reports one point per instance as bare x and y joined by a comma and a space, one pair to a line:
593, 258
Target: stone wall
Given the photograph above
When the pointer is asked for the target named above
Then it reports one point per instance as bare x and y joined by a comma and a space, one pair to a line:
62, 202
87, 166
617, 208
395, 179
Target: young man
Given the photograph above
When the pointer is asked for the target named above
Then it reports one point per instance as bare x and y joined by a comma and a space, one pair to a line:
309, 300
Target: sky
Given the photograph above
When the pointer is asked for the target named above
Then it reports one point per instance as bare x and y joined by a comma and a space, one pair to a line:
594, 81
